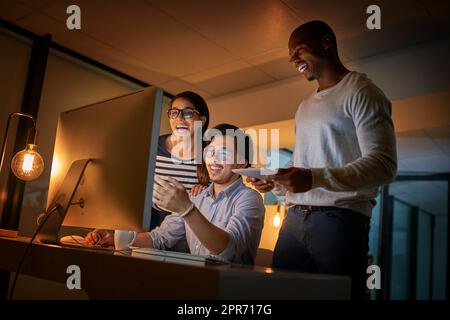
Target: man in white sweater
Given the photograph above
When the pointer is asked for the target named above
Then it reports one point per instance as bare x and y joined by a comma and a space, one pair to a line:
344, 150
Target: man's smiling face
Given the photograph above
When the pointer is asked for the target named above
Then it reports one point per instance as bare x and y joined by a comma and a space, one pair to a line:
305, 57
220, 158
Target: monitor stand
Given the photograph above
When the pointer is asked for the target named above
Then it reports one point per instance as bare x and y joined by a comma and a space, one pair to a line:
57, 210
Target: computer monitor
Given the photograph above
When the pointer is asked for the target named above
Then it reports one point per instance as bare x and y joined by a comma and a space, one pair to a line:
103, 165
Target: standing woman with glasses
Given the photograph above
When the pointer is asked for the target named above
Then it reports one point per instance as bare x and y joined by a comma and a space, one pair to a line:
176, 151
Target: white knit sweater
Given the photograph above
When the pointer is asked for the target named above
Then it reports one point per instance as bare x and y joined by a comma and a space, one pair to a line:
345, 135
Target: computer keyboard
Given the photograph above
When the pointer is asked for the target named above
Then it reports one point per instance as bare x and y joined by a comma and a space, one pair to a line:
76, 241
175, 257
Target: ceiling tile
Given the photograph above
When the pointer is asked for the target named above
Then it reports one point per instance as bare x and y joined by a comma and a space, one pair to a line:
11, 10
252, 27
389, 38
176, 86
220, 46
441, 136
275, 63
402, 167
402, 23
92, 48
345, 15
416, 144
215, 72
348, 18
36, 3
141, 30
429, 163
439, 11
279, 69
245, 77
269, 56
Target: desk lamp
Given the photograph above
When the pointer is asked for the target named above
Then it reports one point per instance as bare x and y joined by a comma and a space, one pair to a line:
27, 164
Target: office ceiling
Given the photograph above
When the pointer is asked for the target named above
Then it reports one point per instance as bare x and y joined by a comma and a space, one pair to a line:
220, 47
426, 150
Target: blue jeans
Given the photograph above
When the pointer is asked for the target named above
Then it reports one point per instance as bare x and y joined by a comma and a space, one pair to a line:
330, 240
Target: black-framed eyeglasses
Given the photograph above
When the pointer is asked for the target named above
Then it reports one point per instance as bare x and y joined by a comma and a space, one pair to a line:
222, 155
187, 113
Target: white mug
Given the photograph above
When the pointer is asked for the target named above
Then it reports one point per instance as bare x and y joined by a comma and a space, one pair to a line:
123, 239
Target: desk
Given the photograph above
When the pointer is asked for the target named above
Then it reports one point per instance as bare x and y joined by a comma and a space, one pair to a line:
109, 276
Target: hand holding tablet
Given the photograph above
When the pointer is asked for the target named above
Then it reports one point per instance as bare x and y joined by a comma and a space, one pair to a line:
258, 173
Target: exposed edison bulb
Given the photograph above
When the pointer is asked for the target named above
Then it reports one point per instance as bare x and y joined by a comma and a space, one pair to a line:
277, 220
27, 164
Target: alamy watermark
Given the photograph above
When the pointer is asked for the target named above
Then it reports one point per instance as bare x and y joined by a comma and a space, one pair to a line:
374, 20
73, 21
374, 280
264, 145
74, 279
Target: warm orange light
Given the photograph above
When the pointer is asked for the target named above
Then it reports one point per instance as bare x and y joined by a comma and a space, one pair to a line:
277, 220
55, 165
27, 164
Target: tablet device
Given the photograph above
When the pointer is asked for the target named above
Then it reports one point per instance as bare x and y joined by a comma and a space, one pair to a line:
259, 173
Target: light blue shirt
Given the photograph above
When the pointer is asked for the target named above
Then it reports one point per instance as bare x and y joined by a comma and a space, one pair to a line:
237, 209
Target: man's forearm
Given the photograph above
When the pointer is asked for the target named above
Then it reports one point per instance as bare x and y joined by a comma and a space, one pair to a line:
143, 240
212, 237
363, 173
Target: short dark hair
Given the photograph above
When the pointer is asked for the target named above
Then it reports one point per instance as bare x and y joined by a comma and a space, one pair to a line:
198, 102
313, 32
238, 133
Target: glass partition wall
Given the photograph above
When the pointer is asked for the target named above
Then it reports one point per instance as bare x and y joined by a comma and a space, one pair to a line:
410, 238
419, 238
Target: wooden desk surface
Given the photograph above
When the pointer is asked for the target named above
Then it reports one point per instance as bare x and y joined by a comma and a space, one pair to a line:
110, 276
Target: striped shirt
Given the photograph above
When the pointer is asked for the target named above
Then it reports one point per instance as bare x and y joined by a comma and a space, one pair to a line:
184, 171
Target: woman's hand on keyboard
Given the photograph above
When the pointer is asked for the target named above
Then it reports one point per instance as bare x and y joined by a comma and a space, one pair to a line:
100, 237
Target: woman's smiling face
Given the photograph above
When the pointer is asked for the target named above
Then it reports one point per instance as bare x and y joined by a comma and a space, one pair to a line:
180, 126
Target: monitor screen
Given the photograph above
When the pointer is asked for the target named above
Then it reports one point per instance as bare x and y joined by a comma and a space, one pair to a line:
120, 137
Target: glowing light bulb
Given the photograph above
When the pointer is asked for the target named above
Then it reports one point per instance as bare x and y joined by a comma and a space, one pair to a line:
277, 220
27, 164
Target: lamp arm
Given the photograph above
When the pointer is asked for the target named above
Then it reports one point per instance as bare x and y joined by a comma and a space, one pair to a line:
5, 138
